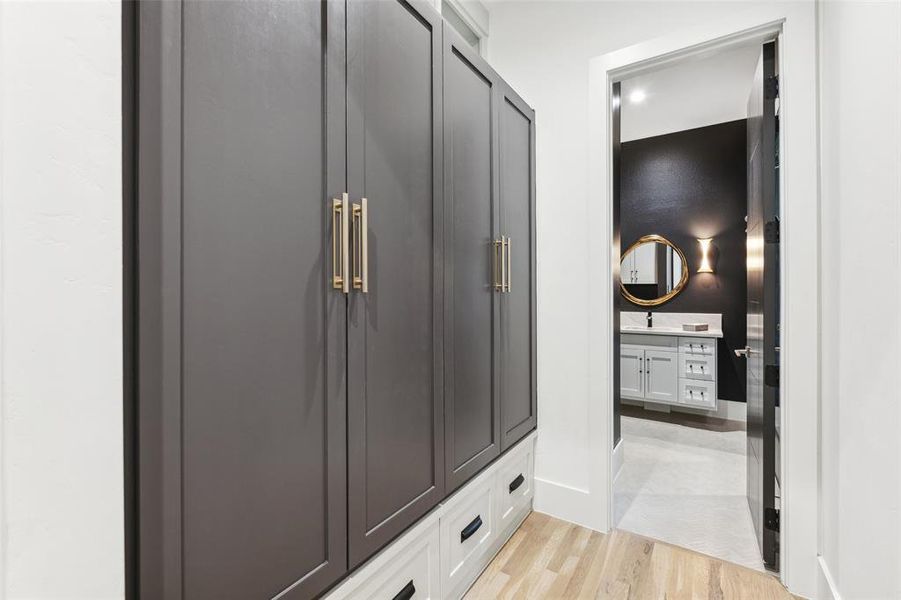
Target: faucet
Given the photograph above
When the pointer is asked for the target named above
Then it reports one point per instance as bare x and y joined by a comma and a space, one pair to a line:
650, 319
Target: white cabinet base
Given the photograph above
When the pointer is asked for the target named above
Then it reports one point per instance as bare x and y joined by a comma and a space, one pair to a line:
669, 370
445, 552
408, 567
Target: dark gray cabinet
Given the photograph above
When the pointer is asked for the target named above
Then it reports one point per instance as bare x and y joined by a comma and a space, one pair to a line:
517, 223
394, 142
471, 321
241, 346
329, 336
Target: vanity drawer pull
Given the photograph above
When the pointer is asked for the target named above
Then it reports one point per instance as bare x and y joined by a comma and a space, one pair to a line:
470, 529
695, 347
406, 593
698, 393
514, 485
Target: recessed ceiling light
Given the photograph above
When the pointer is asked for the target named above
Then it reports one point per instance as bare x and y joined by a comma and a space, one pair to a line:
637, 96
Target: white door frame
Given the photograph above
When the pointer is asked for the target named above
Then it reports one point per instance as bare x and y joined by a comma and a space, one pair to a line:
795, 27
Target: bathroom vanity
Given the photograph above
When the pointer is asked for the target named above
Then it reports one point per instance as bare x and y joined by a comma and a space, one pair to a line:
667, 365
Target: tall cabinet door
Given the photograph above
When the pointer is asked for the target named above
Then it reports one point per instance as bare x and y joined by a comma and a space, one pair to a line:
471, 323
645, 263
242, 338
395, 382
517, 220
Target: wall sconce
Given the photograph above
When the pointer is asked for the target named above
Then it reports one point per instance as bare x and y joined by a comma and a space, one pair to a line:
705, 266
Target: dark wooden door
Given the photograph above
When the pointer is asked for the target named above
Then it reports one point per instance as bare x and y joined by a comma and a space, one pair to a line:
763, 304
471, 320
395, 382
517, 223
242, 351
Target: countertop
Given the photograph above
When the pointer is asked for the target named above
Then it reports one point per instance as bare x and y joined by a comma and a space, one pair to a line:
677, 331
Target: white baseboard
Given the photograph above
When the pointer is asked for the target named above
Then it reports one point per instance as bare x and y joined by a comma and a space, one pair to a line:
826, 588
565, 502
725, 409
619, 457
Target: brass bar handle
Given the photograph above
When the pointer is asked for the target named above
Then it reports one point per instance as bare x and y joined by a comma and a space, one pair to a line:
503, 264
509, 268
340, 228
498, 265
361, 246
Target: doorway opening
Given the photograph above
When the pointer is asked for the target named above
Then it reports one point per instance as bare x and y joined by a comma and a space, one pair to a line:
696, 313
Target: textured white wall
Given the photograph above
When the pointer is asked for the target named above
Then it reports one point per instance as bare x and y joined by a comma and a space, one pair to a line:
543, 50
60, 189
860, 453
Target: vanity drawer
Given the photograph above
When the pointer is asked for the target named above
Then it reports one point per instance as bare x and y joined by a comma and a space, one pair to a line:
697, 346
514, 483
468, 531
698, 393
408, 568
697, 366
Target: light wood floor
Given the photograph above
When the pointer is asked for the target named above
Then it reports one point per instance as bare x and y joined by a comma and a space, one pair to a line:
549, 558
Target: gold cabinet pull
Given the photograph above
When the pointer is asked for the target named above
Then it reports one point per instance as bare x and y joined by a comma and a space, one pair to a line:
509, 266
499, 265
361, 246
340, 228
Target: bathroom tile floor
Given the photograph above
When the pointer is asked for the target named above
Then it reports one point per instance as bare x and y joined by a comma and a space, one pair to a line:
686, 486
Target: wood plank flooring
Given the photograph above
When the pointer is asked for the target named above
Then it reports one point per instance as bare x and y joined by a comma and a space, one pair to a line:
550, 558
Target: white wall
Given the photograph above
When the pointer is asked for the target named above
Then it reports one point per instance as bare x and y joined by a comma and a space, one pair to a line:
860, 453
543, 49
60, 285
555, 78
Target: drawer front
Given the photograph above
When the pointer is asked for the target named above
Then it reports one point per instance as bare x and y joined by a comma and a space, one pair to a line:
697, 366
698, 393
468, 530
697, 346
515, 484
408, 568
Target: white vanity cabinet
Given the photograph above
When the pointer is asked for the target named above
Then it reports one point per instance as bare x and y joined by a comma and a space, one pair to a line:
668, 369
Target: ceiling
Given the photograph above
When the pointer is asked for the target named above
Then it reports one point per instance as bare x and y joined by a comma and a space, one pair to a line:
694, 93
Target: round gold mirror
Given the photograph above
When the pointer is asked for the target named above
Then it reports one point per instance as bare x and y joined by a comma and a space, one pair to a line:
652, 271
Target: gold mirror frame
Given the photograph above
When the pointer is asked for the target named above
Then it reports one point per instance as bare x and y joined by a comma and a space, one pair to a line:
683, 281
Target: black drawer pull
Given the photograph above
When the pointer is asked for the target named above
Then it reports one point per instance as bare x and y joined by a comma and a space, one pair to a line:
514, 485
407, 592
470, 529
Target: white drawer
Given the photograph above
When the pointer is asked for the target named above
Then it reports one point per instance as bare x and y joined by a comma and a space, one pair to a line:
698, 393
408, 568
697, 366
468, 530
695, 346
515, 484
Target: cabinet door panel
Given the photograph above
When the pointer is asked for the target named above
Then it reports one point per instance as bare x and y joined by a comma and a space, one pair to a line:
517, 205
262, 334
395, 410
645, 263
661, 376
472, 419
631, 366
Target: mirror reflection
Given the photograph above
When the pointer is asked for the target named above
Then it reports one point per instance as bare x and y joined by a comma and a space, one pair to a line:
652, 271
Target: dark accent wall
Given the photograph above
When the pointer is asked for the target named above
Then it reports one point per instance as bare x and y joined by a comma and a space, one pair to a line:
688, 185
